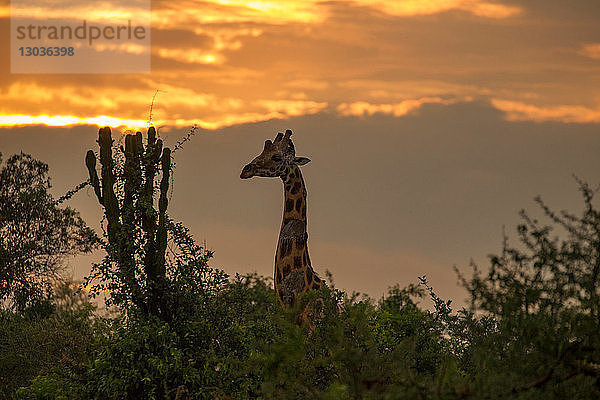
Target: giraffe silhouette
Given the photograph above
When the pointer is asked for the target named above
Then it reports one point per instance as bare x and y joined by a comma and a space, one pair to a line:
293, 271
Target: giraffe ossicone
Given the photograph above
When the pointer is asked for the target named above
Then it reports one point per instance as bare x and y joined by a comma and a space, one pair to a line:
293, 271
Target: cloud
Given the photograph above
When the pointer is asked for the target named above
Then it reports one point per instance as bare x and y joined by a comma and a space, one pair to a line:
111, 12
191, 56
133, 124
590, 50
362, 108
227, 38
293, 108
407, 8
185, 13
221, 38
174, 106
229, 22
167, 14
66, 120
53, 99
129, 48
312, 11
518, 111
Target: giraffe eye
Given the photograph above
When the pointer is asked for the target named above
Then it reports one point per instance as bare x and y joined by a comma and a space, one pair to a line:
276, 158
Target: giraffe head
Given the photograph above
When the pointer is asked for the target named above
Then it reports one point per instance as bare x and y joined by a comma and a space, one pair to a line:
275, 158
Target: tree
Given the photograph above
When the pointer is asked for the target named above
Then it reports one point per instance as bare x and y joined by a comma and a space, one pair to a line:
36, 235
544, 295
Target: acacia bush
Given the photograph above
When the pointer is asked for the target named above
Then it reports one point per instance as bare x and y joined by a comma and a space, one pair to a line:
36, 235
54, 347
532, 331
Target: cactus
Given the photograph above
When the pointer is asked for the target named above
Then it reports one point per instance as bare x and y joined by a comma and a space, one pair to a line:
133, 223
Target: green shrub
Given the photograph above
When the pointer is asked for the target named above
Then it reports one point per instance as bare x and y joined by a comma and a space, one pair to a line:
32, 347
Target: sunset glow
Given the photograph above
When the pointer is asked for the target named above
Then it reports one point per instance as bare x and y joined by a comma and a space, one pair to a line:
113, 13
64, 120
427, 7
517, 111
231, 61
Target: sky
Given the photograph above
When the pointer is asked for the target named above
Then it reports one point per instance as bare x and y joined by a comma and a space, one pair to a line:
429, 124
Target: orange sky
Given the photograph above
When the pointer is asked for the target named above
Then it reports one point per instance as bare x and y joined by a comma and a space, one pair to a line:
221, 62
484, 74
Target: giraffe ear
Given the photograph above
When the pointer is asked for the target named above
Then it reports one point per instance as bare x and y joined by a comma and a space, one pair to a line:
301, 160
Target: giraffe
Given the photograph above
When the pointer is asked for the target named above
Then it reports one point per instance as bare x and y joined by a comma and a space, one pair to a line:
293, 273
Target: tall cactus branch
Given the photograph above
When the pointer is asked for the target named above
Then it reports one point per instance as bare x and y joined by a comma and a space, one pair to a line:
163, 202
90, 162
139, 172
111, 205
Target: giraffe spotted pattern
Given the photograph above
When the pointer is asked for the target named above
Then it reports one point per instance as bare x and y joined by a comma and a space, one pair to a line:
293, 271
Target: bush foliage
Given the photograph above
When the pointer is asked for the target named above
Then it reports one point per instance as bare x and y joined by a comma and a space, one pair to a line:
532, 331
36, 235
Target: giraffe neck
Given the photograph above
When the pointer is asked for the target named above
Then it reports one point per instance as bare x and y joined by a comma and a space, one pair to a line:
293, 270
294, 196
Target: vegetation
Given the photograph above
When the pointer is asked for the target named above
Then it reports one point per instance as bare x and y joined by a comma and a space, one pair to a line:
35, 234
532, 331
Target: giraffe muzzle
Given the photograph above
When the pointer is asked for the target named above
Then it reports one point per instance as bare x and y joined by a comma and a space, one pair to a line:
247, 172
